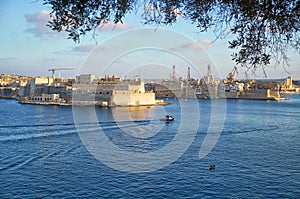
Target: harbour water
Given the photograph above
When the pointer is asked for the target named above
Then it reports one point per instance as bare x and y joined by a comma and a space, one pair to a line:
257, 154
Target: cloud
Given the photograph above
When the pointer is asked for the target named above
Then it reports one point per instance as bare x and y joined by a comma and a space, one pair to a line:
193, 45
6, 59
84, 48
111, 26
205, 42
39, 21
49, 59
197, 44
81, 49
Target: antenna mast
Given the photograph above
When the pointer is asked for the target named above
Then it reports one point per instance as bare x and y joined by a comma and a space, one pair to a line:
173, 73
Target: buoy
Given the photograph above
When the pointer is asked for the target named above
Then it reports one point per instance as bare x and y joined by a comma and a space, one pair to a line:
212, 167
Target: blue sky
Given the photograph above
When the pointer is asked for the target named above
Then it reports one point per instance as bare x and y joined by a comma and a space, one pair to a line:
28, 47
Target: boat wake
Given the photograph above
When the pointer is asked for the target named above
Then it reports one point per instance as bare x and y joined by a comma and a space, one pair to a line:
19, 161
22, 132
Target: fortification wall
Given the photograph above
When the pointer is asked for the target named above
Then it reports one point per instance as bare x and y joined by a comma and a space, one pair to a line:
132, 99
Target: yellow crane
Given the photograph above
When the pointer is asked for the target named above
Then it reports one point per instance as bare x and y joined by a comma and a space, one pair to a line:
249, 81
230, 77
55, 69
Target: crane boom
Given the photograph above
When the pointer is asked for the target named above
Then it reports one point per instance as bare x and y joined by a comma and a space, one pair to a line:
230, 77
55, 69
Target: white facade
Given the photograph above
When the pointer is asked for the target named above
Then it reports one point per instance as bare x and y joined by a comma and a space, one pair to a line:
86, 79
45, 98
39, 81
112, 92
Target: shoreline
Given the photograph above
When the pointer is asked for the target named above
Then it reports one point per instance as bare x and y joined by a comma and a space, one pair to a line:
158, 103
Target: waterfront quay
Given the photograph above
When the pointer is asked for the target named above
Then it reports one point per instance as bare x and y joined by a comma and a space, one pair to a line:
88, 89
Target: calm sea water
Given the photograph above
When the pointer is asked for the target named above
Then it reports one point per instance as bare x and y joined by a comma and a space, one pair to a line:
257, 154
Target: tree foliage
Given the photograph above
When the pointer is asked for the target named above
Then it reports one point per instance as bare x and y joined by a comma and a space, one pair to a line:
263, 29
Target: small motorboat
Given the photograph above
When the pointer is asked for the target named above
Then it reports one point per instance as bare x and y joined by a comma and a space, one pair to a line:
168, 118
212, 167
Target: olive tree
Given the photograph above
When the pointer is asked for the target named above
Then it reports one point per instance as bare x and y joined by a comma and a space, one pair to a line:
262, 29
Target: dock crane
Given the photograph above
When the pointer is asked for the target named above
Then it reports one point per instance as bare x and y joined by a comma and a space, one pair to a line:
249, 81
230, 77
55, 69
